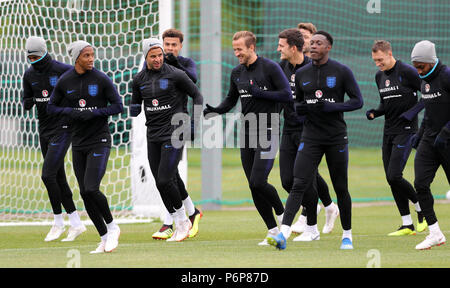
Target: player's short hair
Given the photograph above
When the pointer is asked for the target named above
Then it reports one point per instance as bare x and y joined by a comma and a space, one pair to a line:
327, 35
381, 45
307, 26
293, 37
250, 38
173, 33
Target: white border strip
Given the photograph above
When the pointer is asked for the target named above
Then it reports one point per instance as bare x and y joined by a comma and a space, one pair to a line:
85, 222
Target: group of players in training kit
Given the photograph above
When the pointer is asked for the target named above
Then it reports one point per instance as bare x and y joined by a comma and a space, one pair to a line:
306, 86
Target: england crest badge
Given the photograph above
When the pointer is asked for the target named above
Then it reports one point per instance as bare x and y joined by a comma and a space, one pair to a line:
93, 90
331, 81
163, 84
53, 80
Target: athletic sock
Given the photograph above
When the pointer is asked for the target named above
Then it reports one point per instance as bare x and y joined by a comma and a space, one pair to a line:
417, 205
180, 214
280, 218
347, 234
434, 229
59, 220
112, 226
302, 218
104, 237
312, 228
189, 206
285, 230
168, 219
407, 220
329, 206
274, 231
74, 219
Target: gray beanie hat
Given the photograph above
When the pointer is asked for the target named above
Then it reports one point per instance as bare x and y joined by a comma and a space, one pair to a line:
75, 49
151, 43
424, 51
36, 46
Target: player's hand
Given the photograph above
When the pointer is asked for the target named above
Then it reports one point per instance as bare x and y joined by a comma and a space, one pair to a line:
86, 115
172, 60
28, 103
318, 106
442, 139
301, 108
415, 140
207, 112
370, 114
74, 114
299, 119
252, 88
67, 111
135, 109
404, 115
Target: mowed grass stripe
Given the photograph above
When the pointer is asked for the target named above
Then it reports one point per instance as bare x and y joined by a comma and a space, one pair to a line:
229, 239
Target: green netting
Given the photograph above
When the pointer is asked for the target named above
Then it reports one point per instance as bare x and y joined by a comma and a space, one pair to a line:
354, 29
116, 29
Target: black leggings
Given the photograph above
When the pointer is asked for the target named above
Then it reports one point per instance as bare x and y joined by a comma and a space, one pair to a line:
163, 159
89, 165
288, 151
257, 164
396, 150
180, 185
54, 150
427, 161
307, 161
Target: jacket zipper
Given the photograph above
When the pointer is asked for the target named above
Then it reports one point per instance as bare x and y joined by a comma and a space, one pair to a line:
318, 77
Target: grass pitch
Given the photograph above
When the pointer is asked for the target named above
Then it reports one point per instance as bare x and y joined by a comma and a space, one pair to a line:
229, 238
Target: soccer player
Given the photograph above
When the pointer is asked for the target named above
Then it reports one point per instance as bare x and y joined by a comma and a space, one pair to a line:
89, 97
434, 147
307, 30
54, 135
290, 45
261, 85
172, 43
397, 84
162, 88
320, 89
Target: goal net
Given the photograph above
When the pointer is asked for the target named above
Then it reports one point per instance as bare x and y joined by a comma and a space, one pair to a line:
116, 30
